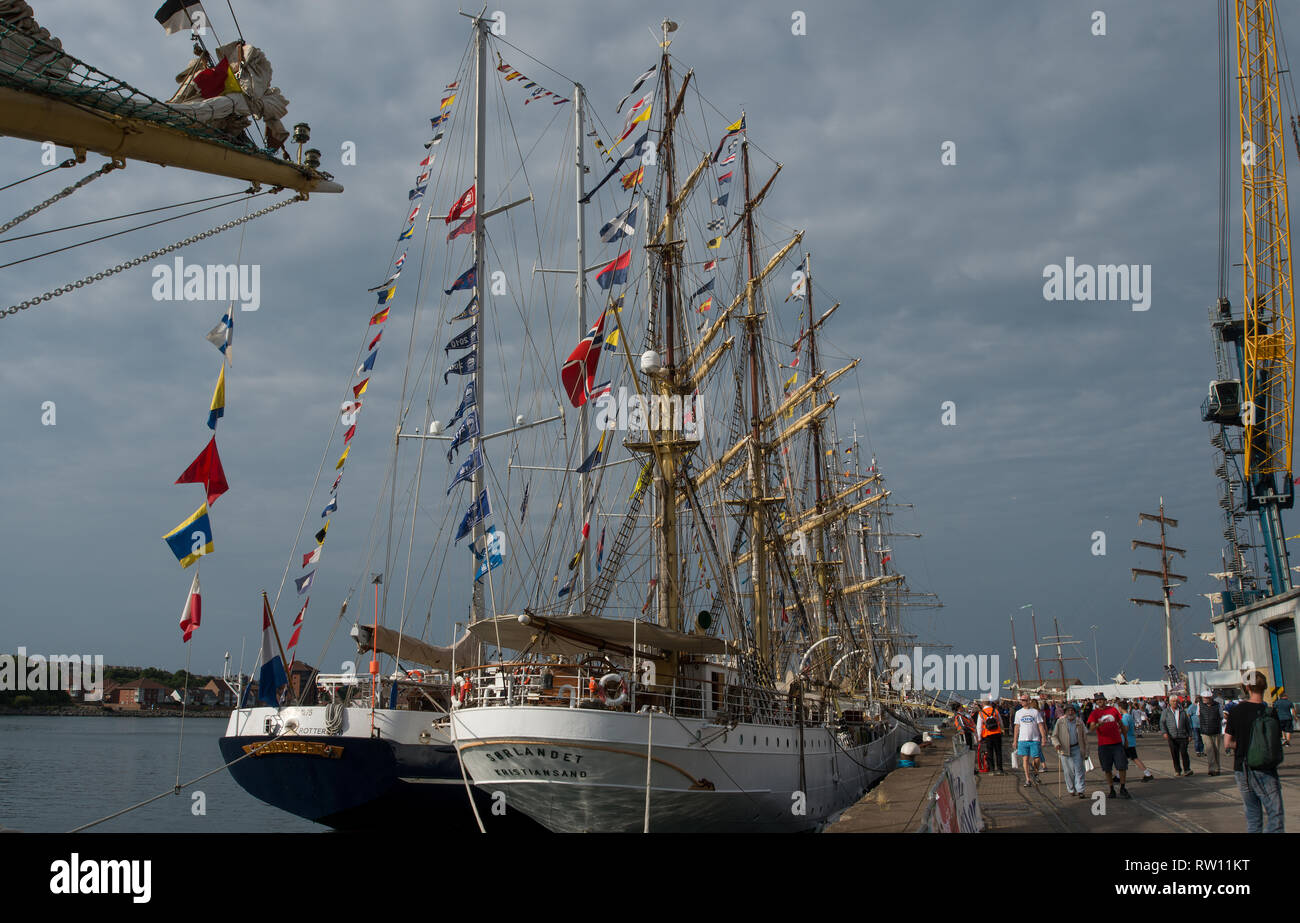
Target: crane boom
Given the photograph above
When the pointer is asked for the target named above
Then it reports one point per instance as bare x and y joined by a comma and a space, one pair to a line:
1268, 341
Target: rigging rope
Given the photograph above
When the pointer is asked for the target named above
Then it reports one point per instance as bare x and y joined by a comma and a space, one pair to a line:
70, 162
63, 193
138, 227
144, 211
151, 255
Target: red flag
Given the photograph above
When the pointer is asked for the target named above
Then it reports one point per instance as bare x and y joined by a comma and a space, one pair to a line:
379, 317
294, 640
374, 341
212, 80
464, 204
466, 227
352, 431
578, 374
206, 470
190, 614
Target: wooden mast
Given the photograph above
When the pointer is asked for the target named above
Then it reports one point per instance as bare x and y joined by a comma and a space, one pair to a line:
757, 459
667, 448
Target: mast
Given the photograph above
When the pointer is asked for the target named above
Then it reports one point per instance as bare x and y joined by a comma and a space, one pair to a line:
480, 290
823, 601
584, 431
757, 466
667, 449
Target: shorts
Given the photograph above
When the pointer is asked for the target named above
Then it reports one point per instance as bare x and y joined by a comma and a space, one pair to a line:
1131, 753
1286, 726
1112, 756
1029, 748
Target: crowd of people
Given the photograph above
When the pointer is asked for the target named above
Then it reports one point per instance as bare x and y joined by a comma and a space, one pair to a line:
1207, 725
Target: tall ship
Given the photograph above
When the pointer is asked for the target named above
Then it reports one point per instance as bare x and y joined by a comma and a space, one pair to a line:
748, 690
677, 608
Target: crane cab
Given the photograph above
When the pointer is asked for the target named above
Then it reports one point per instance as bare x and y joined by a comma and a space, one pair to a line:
1223, 404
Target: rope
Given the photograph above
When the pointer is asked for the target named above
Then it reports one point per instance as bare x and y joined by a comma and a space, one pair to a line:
62, 194
151, 255
138, 227
177, 789
143, 211
67, 163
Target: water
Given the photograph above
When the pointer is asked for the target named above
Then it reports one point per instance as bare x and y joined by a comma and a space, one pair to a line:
60, 773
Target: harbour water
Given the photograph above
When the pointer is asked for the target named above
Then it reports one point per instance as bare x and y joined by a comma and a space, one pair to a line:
57, 773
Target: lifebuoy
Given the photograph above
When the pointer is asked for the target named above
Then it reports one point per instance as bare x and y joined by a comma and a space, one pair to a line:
613, 681
417, 675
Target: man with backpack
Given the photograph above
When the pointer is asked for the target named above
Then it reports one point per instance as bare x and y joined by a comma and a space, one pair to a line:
1254, 736
988, 728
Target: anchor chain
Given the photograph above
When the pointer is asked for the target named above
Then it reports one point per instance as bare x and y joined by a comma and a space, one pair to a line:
151, 255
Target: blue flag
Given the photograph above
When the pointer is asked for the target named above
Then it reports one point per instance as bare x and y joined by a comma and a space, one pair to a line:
494, 552
192, 539
467, 468
465, 365
622, 226
471, 310
466, 280
270, 667
464, 340
477, 512
468, 430
466, 402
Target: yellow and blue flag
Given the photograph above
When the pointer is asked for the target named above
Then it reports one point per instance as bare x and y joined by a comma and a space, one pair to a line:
192, 539
218, 407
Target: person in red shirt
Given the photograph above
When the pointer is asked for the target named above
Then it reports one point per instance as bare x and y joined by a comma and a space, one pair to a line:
1106, 719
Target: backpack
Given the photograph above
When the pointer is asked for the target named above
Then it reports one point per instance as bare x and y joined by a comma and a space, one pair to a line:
1265, 750
992, 723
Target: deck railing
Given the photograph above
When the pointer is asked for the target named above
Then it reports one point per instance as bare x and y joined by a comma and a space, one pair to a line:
600, 686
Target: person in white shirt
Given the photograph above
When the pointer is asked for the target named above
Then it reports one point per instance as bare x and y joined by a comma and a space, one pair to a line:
1030, 734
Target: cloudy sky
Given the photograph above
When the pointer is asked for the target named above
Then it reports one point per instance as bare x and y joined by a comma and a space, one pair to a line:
1071, 417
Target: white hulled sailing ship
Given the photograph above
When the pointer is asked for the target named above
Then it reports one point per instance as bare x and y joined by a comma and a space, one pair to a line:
755, 697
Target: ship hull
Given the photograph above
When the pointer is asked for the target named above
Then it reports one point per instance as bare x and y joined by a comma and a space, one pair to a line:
584, 770
350, 780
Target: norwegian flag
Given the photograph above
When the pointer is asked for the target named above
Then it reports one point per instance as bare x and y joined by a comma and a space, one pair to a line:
578, 374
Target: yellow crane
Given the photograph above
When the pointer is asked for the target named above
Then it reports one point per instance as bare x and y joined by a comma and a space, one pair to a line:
1267, 342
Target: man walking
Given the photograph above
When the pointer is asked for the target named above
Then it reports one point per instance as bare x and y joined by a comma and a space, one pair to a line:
1070, 738
1129, 724
1194, 718
1210, 716
1105, 719
1030, 735
988, 729
1261, 790
1284, 715
1176, 727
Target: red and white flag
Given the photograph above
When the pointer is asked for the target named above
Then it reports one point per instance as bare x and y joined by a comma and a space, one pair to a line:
192, 611
463, 206
311, 557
